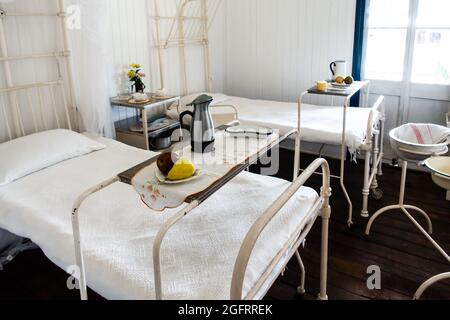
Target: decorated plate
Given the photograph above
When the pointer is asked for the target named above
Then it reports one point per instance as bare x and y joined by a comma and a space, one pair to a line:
163, 179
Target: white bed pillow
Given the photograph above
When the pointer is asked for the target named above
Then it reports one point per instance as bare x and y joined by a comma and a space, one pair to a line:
26, 155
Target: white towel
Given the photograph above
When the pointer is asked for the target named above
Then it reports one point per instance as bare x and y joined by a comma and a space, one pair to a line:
424, 134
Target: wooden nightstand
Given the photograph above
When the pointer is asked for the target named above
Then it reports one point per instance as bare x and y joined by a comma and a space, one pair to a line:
153, 109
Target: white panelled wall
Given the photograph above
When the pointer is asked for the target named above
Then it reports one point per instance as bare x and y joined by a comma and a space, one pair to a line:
274, 49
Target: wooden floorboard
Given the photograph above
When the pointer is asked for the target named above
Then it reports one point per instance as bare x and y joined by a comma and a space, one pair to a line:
405, 257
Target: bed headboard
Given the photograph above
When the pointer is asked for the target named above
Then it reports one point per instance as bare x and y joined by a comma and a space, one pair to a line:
187, 28
36, 82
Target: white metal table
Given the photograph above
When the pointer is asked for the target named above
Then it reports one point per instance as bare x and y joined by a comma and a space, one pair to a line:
347, 95
142, 109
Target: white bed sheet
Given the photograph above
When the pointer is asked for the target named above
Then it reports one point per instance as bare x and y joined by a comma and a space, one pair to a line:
118, 230
320, 124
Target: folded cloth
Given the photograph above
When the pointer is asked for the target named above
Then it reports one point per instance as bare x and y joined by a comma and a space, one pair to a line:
423, 134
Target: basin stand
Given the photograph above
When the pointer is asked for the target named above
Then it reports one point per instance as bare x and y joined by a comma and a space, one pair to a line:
404, 208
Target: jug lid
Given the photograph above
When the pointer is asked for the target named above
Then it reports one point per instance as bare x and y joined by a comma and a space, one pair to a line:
204, 98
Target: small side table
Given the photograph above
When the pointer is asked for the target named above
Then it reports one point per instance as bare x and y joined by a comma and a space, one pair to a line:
346, 94
142, 110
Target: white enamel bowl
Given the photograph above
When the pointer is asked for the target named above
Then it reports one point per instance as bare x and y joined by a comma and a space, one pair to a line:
440, 171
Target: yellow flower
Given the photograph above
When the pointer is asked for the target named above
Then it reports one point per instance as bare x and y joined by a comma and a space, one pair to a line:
131, 74
135, 65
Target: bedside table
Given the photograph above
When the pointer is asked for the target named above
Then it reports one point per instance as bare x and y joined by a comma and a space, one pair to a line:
155, 108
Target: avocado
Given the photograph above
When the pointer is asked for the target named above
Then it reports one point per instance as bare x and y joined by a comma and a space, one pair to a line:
166, 162
349, 80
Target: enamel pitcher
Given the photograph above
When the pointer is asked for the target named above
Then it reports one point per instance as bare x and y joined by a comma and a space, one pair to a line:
338, 68
202, 126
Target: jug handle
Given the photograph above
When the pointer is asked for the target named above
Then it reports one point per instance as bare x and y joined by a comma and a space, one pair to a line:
333, 64
183, 114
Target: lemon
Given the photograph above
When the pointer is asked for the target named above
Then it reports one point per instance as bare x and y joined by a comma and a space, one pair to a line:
182, 169
340, 80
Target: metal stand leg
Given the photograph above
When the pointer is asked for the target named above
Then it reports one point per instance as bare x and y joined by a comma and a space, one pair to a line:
326, 214
301, 288
366, 190
429, 283
343, 154
404, 208
400, 205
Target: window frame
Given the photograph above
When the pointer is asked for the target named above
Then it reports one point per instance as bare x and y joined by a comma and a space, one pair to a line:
410, 45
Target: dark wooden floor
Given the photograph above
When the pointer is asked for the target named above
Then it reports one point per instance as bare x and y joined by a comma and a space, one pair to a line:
405, 257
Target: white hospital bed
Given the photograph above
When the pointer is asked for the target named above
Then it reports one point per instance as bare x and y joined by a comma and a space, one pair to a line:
319, 125
199, 254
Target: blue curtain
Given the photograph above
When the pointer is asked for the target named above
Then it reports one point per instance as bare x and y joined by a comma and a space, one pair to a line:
358, 44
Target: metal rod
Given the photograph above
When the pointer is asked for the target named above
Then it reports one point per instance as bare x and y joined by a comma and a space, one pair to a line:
69, 63
33, 113
31, 14
158, 242
53, 100
8, 128
343, 153
41, 108
36, 56
76, 231
31, 85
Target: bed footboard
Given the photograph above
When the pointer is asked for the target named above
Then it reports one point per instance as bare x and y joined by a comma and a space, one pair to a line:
321, 208
374, 148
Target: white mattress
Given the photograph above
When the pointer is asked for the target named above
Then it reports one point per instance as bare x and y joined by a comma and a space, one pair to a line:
118, 230
320, 124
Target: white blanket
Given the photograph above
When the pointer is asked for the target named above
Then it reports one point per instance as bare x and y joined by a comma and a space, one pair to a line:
117, 230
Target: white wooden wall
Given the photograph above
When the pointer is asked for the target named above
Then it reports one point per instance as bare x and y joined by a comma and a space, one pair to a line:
274, 49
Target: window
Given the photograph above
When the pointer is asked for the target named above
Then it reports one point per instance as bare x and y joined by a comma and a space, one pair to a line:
386, 39
408, 40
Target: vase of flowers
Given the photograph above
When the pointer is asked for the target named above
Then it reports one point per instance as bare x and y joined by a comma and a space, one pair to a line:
136, 74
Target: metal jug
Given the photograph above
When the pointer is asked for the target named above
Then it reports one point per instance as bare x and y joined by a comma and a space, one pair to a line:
202, 126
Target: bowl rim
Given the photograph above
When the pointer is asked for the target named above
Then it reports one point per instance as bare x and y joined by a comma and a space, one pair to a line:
434, 169
392, 136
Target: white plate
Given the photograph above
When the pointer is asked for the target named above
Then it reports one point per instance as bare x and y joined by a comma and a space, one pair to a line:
340, 85
163, 179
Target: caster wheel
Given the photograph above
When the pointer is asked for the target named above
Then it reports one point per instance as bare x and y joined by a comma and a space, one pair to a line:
350, 224
301, 291
377, 194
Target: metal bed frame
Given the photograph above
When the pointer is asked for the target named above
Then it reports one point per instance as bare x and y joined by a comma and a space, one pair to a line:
17, 127
180, 36
373, 147
321, 208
